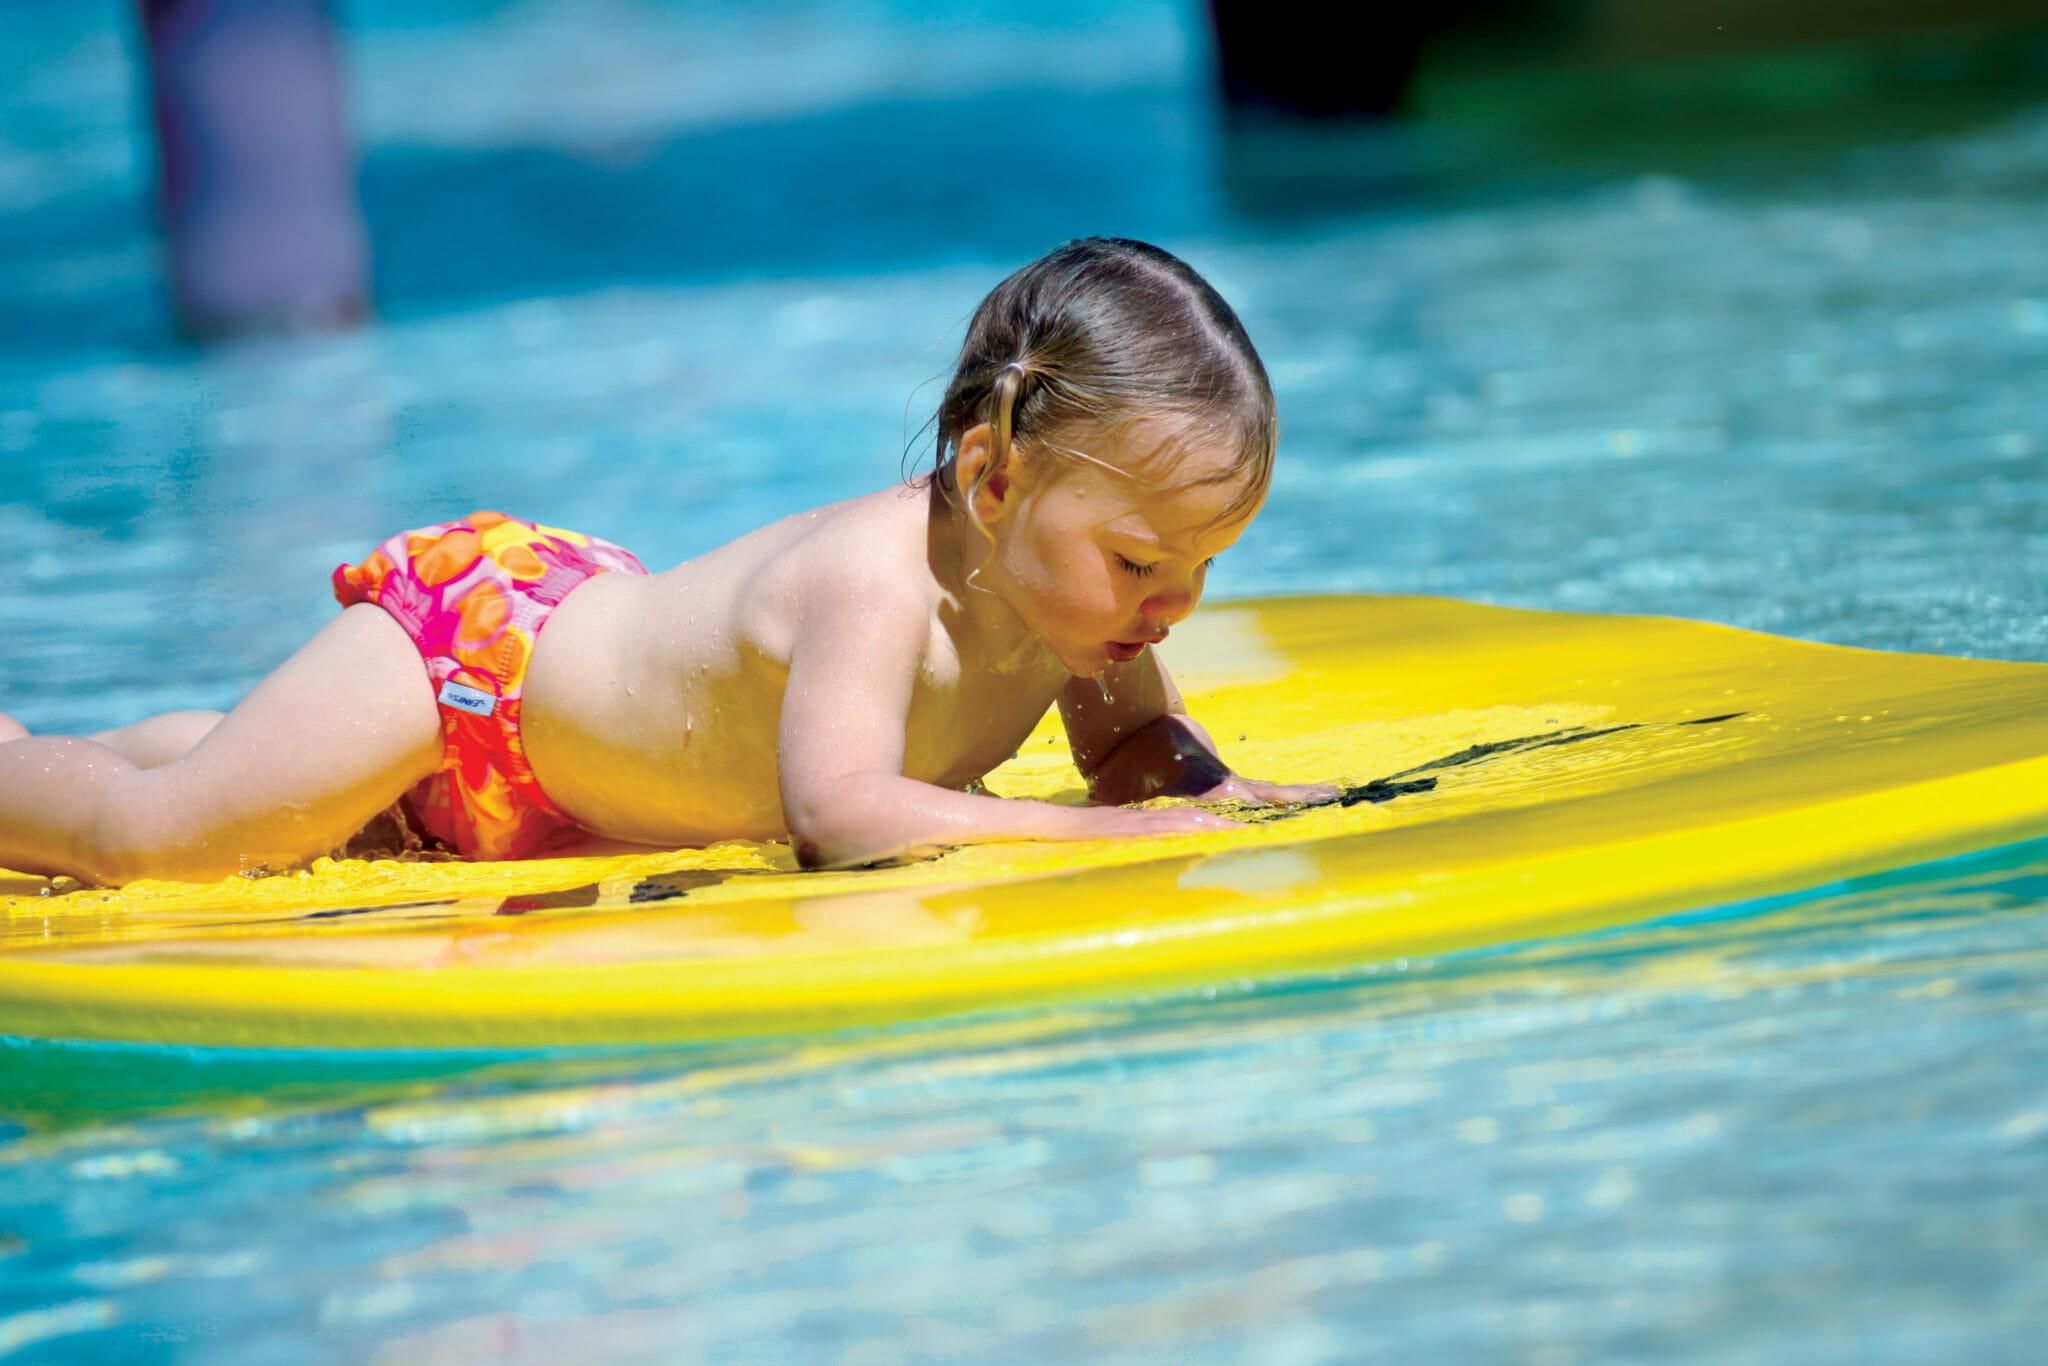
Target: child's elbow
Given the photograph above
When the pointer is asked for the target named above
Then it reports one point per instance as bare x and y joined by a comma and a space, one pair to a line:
813, 849
814, 857
816, 849
826, 829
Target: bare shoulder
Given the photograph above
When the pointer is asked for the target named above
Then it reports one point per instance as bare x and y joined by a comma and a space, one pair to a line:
862, 559
874, 544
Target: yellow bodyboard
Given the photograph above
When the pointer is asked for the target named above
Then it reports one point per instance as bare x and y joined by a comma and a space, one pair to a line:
1510, 774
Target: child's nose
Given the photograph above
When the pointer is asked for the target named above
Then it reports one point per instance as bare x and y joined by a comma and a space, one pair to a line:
1169, 606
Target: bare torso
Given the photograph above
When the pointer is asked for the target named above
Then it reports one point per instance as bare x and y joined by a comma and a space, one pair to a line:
653, 705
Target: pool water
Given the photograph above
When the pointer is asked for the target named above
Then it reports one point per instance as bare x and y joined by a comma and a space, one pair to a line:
675, 289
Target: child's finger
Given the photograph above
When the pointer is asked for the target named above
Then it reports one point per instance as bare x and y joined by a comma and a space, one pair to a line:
1284, 794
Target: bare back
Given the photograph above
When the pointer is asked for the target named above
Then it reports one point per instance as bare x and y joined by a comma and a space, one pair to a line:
653, 705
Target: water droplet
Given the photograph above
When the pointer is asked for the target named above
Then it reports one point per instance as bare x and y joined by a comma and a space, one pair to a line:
1103, 684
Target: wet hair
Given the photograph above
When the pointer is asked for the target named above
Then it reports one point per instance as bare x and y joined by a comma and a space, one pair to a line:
1096, 335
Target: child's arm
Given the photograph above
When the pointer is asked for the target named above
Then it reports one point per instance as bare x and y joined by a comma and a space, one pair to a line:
1132, 739
845, 799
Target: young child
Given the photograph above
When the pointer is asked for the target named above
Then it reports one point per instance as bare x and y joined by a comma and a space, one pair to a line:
842, 678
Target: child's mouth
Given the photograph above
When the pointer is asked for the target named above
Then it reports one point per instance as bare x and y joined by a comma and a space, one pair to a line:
1124, 651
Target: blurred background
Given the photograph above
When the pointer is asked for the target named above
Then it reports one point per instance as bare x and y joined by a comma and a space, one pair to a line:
1727, 311
1735, 311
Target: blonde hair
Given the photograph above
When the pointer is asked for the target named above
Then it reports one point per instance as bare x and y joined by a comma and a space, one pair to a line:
1098, 334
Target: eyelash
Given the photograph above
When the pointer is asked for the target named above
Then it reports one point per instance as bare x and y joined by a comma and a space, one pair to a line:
1140, 571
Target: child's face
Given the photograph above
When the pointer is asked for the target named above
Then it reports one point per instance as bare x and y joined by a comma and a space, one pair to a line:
1100, 565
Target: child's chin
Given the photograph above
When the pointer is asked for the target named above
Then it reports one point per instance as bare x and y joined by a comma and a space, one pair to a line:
1082, 662
1088, 662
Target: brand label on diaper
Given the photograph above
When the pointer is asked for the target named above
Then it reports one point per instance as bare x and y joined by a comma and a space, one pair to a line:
475, 701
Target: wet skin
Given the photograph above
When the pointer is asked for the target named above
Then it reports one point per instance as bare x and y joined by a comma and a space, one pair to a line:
839, 677
843, 674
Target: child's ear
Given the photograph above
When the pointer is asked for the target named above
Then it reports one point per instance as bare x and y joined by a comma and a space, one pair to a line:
986, 483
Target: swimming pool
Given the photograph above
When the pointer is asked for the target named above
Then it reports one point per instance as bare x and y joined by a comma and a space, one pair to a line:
1796, 389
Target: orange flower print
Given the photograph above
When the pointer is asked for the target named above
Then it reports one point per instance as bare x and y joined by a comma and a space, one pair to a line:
447, 558
510, 545
484, 611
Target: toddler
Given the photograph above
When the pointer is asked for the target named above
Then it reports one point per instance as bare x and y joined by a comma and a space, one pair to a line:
842, 678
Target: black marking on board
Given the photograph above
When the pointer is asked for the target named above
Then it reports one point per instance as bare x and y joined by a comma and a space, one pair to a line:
669, 886
1475, 753
371, 910
567, 897
1386, 789
1382, 790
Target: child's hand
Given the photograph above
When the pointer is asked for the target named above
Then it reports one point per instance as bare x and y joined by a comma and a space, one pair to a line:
1122, 823
1254, 793
1172, 756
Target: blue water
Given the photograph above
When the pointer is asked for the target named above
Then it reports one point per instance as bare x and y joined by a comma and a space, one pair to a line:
662, 274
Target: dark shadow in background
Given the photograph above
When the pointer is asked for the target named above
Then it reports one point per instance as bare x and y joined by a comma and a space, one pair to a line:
1521, 97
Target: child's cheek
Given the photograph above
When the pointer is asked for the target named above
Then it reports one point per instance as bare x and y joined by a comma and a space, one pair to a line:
1027, 567
1052, 570
1084, 590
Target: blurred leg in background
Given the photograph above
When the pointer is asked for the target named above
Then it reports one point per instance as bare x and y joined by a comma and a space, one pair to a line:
255, 179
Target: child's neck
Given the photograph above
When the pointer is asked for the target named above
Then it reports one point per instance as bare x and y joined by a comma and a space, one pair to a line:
979, 618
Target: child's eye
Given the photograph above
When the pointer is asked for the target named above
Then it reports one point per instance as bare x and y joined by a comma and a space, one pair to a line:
1136, 569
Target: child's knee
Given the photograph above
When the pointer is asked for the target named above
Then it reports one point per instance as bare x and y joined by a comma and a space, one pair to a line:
140, 830
159, 740
118, 845
155, 823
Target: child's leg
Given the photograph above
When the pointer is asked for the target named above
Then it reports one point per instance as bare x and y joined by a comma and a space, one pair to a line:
333, 737
158, 740
149, 743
